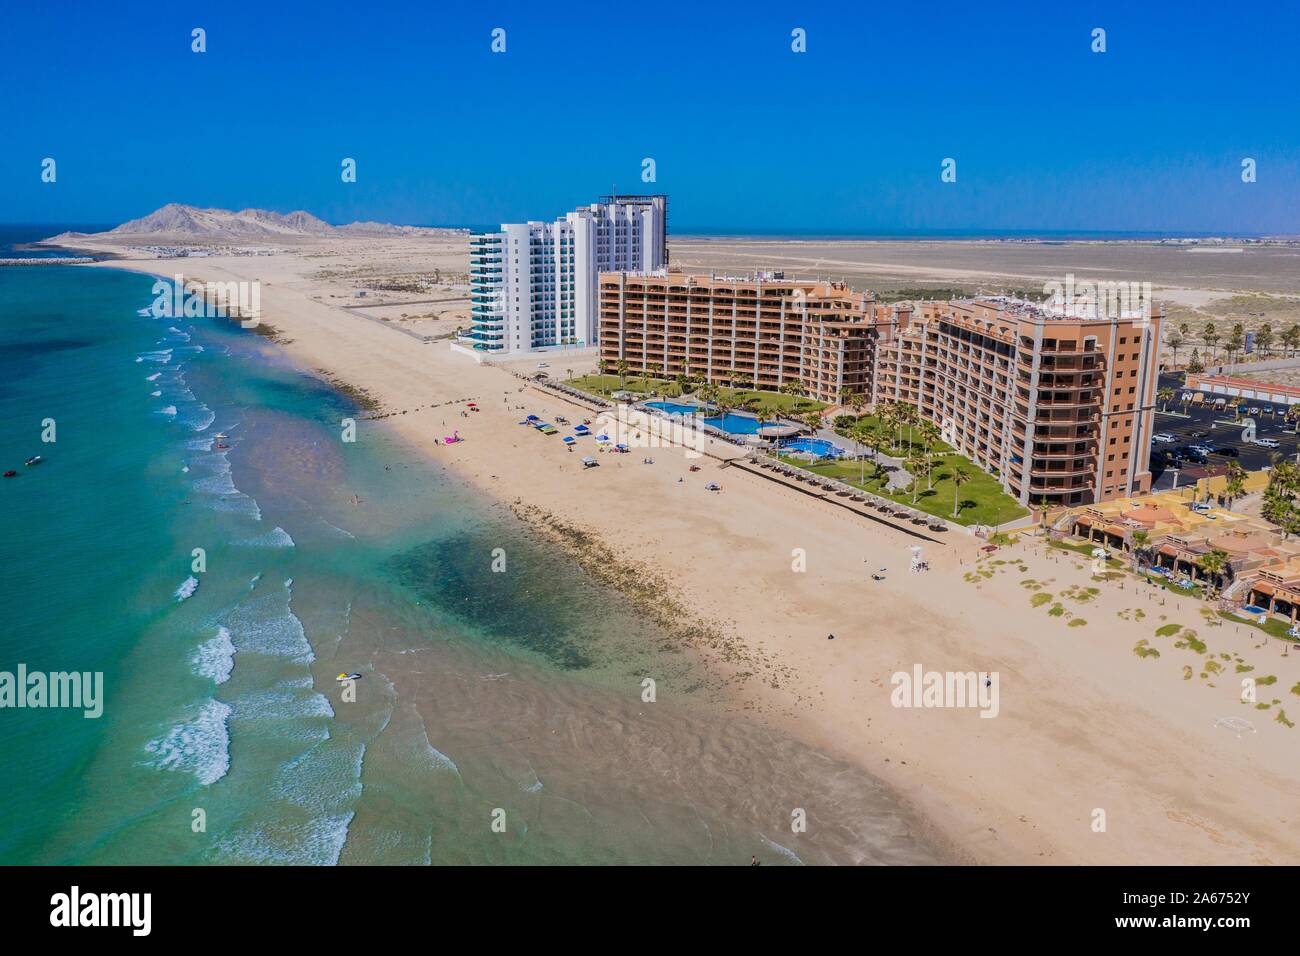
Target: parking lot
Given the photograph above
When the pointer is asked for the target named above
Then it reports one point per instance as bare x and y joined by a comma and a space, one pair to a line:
1221, 431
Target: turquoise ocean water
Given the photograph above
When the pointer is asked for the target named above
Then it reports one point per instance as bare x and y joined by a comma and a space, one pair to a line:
498, 719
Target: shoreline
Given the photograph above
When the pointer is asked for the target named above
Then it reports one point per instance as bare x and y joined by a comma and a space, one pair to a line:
983, 791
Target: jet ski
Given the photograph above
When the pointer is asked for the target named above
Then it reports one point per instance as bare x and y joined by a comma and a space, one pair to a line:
346, 677
34, 460
10, 473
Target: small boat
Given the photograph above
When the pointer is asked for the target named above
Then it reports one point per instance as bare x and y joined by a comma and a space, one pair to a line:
347, 677
34, 460
221, 436
10, 473
221, 446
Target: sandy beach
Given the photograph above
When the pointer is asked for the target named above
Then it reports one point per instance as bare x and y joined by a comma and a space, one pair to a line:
1085, 724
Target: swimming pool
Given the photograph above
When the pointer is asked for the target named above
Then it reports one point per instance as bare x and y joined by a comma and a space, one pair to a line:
734, 424
675, 408
815, 446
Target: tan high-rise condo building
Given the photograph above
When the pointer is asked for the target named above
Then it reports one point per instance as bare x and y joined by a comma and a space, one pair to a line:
1057, 402
761, 331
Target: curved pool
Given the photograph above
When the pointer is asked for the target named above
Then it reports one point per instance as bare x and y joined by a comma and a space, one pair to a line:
814, 446
734, 424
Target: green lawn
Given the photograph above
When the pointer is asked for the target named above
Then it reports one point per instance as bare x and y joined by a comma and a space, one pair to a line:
1269, 625
982, 498
732, 397
604, 384
895, 448
787, 404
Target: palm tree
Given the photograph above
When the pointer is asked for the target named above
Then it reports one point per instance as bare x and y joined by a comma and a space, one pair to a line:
959, 477
1291, 338
622, 368
1140, 541
1235, 485
888, 415
1209, 335
1165, 396
1212, 564
1264, 338
1237, 340
813, 420
929, 437
1175, 341
867, 435
1293, 412
1043, 508
919, 465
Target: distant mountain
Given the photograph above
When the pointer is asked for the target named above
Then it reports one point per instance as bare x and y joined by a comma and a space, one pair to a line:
177, 221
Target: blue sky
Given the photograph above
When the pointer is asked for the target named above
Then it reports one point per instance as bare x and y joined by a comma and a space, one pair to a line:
746, 134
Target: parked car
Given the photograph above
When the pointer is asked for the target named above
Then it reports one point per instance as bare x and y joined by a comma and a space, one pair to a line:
1268, 409
1203, 449
1163, 437
1227, 451
1199, 433
1268, 443
1254, 410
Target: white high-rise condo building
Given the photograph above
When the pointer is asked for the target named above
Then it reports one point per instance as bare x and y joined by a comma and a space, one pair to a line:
533, 284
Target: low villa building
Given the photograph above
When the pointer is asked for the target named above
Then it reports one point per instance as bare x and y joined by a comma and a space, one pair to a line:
1277, 589
1180, 532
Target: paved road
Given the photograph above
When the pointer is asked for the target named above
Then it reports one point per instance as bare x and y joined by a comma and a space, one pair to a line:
1221, 432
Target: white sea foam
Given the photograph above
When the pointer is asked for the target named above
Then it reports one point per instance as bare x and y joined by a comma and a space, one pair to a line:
188, 587
168, 410
200, 745
342, 533
318, 842
197, 417
436, 758
215, 658
293, 699
153, 377
277, 537
783, 850
219, 482
160, 356
154, 394
239, 504
325, 779
264, 624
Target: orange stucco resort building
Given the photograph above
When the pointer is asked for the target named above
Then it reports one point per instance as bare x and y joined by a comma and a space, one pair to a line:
1058, 405
760, 331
